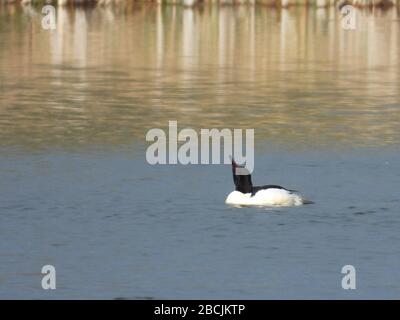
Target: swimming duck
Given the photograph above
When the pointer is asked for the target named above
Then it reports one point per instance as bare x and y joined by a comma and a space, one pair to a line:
246, 194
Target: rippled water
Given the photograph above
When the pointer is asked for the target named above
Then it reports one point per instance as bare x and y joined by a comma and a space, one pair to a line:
77, 193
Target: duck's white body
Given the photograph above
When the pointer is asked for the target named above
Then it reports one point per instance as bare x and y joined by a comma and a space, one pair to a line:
246, 194
265, 197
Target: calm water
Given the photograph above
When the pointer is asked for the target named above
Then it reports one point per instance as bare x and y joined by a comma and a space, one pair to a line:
77, 193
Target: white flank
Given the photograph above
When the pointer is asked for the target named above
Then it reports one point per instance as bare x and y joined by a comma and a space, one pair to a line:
266, 197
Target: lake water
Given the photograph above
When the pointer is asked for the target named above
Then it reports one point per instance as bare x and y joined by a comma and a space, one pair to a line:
76, 191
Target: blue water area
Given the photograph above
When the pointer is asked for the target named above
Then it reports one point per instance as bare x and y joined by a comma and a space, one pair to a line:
116, 227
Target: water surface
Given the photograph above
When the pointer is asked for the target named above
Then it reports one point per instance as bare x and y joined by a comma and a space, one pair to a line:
77, 193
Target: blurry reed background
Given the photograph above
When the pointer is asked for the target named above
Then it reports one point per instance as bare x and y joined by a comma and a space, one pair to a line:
108, 74
191, 3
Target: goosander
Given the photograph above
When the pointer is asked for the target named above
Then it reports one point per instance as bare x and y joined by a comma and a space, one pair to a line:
269, 195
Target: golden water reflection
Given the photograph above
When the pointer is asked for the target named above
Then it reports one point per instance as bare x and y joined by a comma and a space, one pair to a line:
107, 75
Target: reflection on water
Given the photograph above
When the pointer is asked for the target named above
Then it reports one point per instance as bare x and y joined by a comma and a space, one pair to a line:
109, 74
